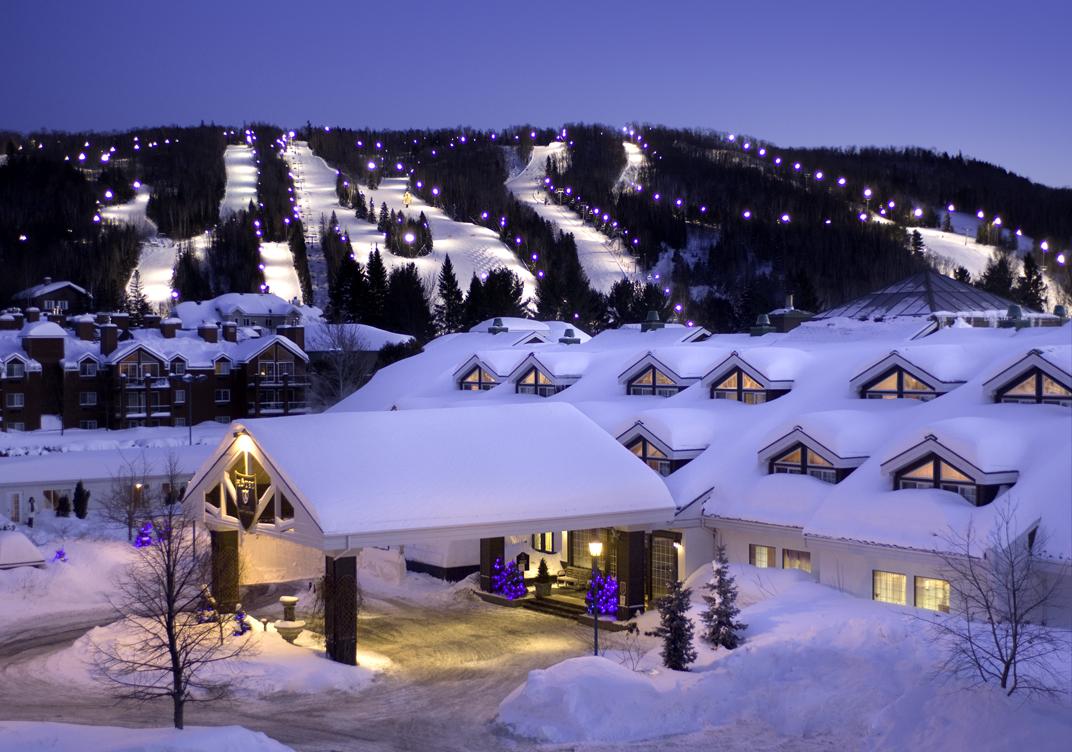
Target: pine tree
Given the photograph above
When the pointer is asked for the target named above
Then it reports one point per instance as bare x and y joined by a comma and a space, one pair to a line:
449, 310
917, 242
675, 628
371, 213
475, 309
190, 278
81, 500
720, 617
947, 222
385, 218
1030, 288
998, 276
960, 274
137, 305
377, 289
406, 308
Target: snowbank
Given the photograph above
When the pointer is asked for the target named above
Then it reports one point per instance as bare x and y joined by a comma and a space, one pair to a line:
19, 736
816, 662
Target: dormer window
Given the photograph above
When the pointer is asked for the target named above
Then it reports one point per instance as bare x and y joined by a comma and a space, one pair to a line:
536, 382
740, 387
223, 367
801, 460
652, 381
1036, 388
652, 456
898, 384
178, 367
478, 379
87, 369
935, 472
15, 369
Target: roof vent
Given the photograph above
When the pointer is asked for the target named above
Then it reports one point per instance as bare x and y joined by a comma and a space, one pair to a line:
652, 322
1014, 319
763, 326
1060, 312
497, 327
569, 337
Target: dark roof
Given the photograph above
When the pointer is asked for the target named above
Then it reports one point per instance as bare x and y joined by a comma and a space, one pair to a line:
921, 294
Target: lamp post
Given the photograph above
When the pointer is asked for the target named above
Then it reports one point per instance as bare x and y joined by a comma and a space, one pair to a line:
189, 379
595, 548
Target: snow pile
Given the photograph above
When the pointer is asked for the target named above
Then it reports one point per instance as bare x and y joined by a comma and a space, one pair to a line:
18, 736
270, 666
816, 663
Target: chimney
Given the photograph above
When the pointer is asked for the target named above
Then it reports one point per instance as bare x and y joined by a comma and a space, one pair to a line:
7, 322
208, 332
651, 322
56, 318
109, 338
295, 333
569, 337
20, 319
83, 327
102, 318
169, 327
230, 331
33, 315
48, 280
497, 327
150, 320
122, 320
789, 301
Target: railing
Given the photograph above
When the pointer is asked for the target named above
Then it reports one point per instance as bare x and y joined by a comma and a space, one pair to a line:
275, 407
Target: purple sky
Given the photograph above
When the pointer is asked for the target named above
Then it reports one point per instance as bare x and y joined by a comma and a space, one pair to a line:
991, 79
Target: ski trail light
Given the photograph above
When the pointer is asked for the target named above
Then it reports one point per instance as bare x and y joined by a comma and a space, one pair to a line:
81, 156
796, 165
762, 152
980, 214
678, 308
137, 184
785, 218
917, 213
409, 237
841, 181
867, 193
997, 221
891, 204
819, 175
1061, 259
371, 165
732, 137
1045, 246
435, 191
1019, 232
863, 216
747, 145
108, 194
678, 202
747, 214
656, 196
951, 208
777, 160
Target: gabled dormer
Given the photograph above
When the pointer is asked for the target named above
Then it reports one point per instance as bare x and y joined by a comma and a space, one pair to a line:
178, 366
737, 380
476, 376
930, 464
896, 377
16, 366
654, 451
222, 365
650, 377
1034, 379
797, 453
532, 376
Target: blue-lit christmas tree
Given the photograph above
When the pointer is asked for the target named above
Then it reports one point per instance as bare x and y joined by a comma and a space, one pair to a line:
241, 621
507, 580
602, 595
145, 536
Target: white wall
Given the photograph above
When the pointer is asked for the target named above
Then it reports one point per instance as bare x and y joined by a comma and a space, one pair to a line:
268, 558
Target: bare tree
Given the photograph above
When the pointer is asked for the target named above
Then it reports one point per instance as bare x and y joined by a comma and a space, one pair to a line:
999, 597
340, 364
166, 647
127, 501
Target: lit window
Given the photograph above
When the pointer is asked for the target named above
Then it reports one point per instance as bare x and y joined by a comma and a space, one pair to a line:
935, 473
762, 556
652, 382
740, 387
543, 542
898, 384
652, 456
1037, 388
803, 461
888, 587
478, 380
223, 367
796, 560
536, 382
932, 594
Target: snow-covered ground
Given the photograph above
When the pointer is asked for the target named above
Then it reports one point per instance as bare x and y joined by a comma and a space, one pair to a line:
238, 160
19, 443
21, 736
601, 257
472, 248
816, 664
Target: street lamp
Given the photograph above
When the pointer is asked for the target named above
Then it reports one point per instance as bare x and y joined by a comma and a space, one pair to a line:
595, 549
189, 379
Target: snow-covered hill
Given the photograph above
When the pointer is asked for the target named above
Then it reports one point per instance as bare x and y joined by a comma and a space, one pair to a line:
473, 249
601, 257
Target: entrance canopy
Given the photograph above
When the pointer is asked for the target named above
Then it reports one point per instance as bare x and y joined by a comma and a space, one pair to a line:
339, 481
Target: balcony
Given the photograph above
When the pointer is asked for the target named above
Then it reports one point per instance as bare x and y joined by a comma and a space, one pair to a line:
275, 408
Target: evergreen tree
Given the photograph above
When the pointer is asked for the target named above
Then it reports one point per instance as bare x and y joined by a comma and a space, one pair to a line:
1030, 288
449, 310
190, 278
804, 296
917, 242
81, 500
720, 617
371, 213
998, 276
675, 628
385, 218
406, 308
503, 292
136, 304
960, 274
377, 290
947, 222
475, 309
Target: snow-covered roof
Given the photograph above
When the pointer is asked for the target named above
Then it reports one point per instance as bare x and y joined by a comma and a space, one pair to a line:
43, 329
16, 550
321, 336
227, 306
45, 288
354, 472
67, 468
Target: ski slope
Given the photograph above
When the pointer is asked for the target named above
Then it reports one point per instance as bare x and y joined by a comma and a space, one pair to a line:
241, 188
473, 249
601, 257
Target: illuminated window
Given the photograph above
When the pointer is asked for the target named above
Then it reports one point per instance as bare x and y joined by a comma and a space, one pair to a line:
652, 381
1036, 388
740, 387
478, 380
536, 382
898, 384
223, 367
544, 543
652, 456
936, 473
804, 461
888, 587
796, 560
762, 556
932, 594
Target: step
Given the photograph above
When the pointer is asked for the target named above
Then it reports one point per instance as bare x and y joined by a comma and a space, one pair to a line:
554, 607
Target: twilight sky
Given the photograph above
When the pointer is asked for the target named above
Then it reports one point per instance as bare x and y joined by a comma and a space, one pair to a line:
992, 79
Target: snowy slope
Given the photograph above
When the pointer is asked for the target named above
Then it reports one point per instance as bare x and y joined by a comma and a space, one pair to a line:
241, 179
69, 737
472, 249
602, 258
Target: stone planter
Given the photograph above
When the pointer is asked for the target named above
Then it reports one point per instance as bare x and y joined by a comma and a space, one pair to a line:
289, 630
543, 589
